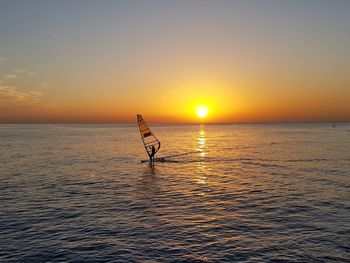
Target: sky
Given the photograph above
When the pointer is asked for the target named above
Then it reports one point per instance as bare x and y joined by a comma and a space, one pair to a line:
104, 61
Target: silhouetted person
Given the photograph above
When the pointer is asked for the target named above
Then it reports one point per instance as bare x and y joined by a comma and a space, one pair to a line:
151, 155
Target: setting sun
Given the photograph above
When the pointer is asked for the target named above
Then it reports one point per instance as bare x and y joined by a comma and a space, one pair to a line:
202, 111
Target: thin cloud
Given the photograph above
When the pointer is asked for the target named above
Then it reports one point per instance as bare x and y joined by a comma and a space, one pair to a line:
12, 95
13, 98
19, 99
46, 85
31, 74
10, 76
20, 70
19, 74
24, 72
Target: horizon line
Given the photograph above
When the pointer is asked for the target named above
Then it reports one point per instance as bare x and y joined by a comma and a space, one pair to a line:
175, 123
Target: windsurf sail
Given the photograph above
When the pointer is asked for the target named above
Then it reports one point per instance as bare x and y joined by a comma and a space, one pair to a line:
147, 136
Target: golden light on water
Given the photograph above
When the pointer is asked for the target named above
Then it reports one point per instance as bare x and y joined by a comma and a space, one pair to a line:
202, 169
201, 142
202, 111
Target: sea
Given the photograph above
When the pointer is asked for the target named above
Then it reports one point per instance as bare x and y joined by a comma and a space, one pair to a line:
276, 192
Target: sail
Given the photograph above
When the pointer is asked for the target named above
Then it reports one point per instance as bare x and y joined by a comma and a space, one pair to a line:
147, 135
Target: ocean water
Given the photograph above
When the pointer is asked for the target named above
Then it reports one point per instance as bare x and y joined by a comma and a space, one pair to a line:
235, 193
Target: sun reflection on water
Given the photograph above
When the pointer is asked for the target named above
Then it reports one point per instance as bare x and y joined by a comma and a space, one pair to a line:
201, 142
202, 170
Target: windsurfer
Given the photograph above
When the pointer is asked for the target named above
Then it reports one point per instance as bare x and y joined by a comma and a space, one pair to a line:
151, 143
151, 155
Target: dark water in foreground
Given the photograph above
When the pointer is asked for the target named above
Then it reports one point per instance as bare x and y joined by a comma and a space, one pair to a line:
251, 193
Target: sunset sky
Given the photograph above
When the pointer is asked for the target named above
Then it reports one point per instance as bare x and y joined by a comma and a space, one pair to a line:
105, 61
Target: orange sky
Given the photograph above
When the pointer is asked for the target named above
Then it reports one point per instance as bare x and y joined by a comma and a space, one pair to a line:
103, 63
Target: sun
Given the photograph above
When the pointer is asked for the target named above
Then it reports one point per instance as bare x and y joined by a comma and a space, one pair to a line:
202, 111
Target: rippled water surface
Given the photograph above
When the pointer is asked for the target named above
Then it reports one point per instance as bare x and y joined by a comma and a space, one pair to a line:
246, 193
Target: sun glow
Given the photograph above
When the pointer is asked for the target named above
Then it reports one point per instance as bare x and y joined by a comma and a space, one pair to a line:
202, 111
